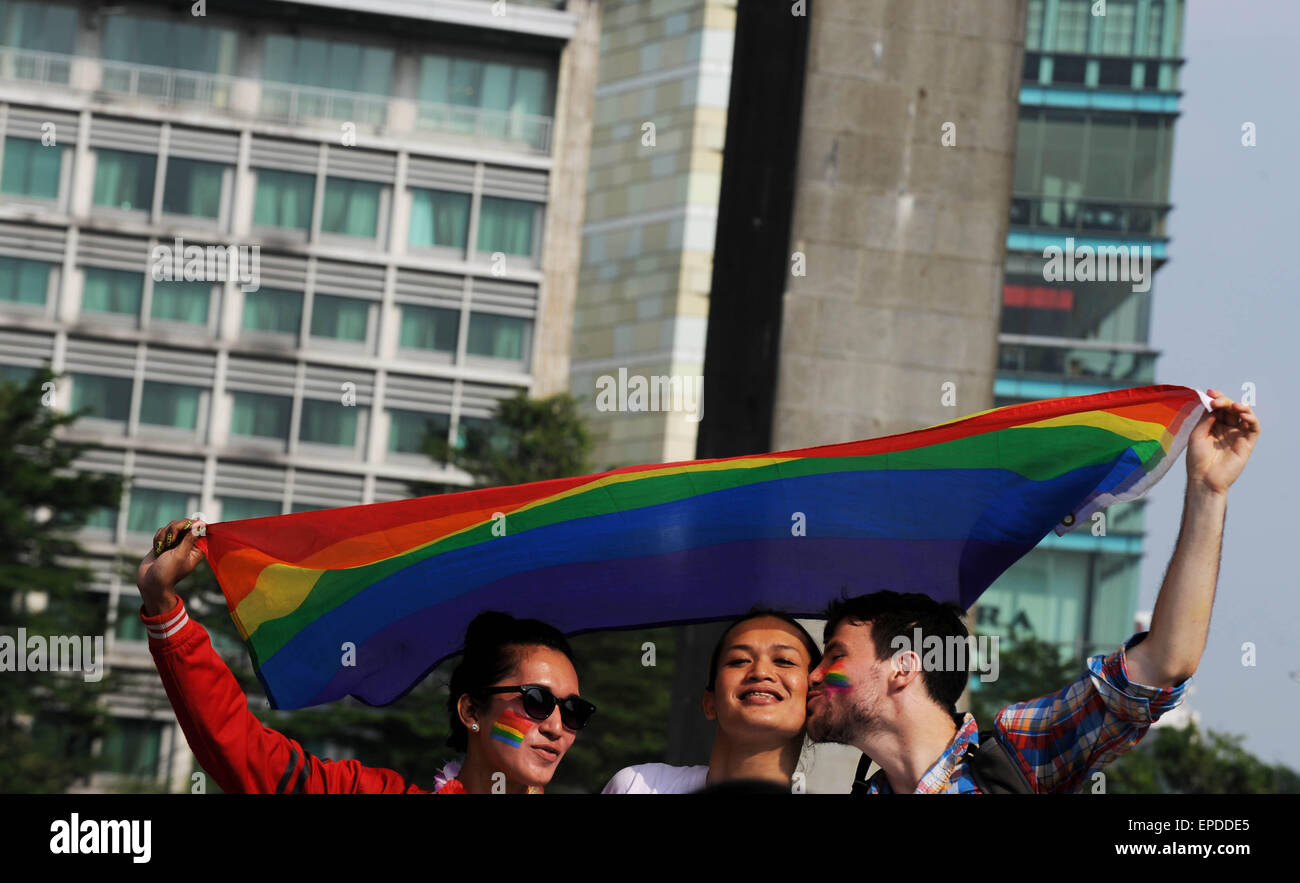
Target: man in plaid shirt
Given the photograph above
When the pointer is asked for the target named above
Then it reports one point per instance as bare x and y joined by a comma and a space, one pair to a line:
883, 701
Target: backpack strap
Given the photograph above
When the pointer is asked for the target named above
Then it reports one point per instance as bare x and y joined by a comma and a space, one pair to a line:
992, 765
994, 768
861, 784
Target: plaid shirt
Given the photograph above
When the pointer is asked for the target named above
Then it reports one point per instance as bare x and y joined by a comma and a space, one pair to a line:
1060, 739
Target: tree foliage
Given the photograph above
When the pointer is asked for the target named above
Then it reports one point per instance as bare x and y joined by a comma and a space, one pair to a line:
1168, 760
48, 721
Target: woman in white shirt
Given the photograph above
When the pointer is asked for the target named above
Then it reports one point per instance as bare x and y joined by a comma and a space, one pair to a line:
757, 692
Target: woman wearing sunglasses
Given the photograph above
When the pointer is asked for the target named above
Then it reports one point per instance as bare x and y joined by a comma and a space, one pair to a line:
757, 691
513, 705
505, 713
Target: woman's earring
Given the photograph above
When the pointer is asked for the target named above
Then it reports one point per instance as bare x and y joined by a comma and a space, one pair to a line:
474, 727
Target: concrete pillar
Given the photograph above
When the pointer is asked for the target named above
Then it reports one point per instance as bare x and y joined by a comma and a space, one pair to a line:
562, 248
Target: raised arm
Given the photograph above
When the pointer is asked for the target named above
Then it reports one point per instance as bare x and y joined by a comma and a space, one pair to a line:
1180, 624
230, 743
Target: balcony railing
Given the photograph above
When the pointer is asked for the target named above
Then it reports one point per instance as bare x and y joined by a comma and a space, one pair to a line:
287, 103
1089, 216
1120, 366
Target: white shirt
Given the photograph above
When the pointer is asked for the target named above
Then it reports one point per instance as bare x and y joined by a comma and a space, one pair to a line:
657, 778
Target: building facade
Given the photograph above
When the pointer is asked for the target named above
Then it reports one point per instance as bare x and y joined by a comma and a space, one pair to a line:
272, 250
1099, 99
660, 117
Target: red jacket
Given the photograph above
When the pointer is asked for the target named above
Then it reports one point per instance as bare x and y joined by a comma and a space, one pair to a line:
231, 744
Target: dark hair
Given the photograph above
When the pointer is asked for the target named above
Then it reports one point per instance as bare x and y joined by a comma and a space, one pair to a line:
893, 614
492, 644
761, 613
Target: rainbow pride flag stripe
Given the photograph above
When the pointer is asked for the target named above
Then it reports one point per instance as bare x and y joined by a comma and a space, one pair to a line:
837, 680
510, 729
943, 510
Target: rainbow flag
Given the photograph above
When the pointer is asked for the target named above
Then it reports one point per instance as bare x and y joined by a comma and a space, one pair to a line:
511, 729
943, 510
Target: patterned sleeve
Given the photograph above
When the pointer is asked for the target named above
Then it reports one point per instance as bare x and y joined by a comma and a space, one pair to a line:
1063, 738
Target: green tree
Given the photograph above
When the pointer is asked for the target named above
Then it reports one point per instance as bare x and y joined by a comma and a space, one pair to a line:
1168, 760
529, 440
1188, 760
48, 721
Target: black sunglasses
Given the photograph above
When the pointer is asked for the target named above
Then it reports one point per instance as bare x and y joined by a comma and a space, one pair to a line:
540, 702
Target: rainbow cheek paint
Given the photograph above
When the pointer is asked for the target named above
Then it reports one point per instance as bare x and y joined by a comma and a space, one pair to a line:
837, 681
511, 728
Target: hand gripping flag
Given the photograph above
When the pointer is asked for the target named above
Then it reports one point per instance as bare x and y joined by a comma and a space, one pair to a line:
943, 511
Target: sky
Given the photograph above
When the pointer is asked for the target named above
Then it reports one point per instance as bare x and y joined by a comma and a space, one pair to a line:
1226, 312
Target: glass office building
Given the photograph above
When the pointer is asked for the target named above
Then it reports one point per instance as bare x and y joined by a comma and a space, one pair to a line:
1098, 104
411, 183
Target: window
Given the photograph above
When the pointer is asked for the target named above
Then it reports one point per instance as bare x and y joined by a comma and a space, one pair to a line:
23, 281
273, 310
111, 291
429, 328
1034, 25
1072, 26
102, 518
499, 337
105, 398
31, 169
439, 218
409, 431
351, 207
1062, 166
181, 302
506, 225
17, 375
1117, 27
193, 187
174, 44
169, 404
1110, 154
1095, 311
239, 508
39, 27
283, 199
152, 508
328, 423
475, 435
1032, 67
124, 180
495, 86
340, 318
1151, 159
1155, 28
1115, 72
327, 64
1070, 69
132, 748
1111, 159
257, 414
128, 626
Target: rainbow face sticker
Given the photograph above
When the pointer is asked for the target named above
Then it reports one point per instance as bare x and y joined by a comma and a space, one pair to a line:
837, 681
511, 728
